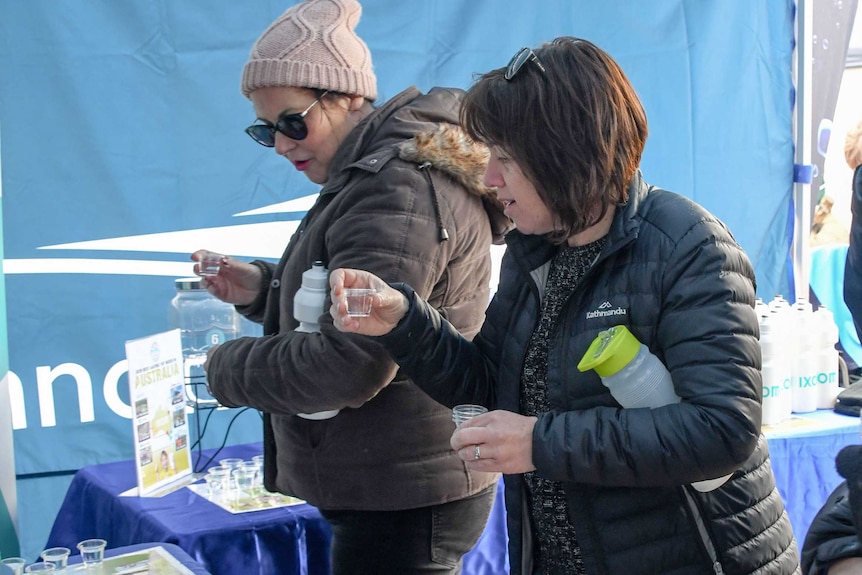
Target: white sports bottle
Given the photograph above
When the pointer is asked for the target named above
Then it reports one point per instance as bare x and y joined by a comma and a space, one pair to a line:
307, 308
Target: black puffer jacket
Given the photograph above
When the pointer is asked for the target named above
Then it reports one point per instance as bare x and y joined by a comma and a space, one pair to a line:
403, 176
674, 275
832, 534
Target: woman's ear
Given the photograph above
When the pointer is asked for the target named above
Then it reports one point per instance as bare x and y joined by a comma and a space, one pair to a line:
356, 103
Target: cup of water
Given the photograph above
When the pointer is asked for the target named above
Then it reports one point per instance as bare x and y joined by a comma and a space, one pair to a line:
359, 301
210, 264
219, 481
461, 413
56, 555
16, 564
92, 551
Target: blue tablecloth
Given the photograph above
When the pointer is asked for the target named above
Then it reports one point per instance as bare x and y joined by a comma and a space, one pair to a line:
173, 550
803, 451
296, 539
287, 540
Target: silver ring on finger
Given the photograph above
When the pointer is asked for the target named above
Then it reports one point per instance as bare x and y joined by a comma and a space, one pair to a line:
476, 453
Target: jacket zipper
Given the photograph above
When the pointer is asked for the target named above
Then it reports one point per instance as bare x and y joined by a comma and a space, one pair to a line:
704, 535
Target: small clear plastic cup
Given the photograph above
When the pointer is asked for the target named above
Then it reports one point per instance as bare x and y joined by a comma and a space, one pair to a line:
251, 466
223, 470
359, 301
16, 564
42, 567
230, 462
461, 413
59, 556
218, 480
244, 479
209, 264
92, 551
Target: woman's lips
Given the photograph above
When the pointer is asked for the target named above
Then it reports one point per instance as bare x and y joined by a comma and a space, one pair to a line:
301, 165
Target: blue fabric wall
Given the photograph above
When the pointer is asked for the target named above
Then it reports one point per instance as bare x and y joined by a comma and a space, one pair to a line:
123, 151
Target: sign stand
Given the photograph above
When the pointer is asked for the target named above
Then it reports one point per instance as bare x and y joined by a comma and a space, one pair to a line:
160, 426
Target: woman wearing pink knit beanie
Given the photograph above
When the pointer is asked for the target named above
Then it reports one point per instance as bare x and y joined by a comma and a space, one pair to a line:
402, 196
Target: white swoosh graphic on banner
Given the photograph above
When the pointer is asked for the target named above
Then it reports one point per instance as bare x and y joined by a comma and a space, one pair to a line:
94, 266
302, 204
248, 241
266, 239
262, 240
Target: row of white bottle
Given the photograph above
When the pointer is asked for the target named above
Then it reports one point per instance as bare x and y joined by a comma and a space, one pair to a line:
800, 360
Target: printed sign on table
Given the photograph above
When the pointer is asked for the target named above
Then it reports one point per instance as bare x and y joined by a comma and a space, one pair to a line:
161, 430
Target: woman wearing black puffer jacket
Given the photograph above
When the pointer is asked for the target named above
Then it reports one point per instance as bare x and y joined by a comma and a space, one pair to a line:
592, 488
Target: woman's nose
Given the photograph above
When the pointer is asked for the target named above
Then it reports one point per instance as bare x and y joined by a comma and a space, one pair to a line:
283, 144
492, 178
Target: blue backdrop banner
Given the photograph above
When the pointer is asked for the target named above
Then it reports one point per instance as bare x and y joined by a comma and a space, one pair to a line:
8, 493
123, 152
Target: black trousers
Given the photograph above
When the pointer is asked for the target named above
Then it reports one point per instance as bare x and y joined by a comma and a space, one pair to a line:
407, 542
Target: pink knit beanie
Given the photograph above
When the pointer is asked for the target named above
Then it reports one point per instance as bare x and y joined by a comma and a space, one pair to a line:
313, 45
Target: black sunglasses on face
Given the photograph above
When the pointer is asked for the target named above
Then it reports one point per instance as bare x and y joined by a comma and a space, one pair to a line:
517, 62
291, 125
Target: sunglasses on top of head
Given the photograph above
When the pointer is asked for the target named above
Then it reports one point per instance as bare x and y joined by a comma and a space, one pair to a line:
291, 125
517, 62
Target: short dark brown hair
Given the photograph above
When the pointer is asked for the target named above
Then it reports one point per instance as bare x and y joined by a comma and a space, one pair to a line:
577, 129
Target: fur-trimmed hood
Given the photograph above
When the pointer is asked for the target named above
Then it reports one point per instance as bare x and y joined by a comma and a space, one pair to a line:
449, 149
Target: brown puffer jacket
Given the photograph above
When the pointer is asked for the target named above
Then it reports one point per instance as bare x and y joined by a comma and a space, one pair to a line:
405, 201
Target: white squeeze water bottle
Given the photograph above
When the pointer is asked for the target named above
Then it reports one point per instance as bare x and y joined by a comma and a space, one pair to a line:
805, 395
827, 358
760, 307
776, 368
307, 307
635, 377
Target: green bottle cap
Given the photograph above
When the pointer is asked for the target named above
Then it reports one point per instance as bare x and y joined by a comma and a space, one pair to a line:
611, 351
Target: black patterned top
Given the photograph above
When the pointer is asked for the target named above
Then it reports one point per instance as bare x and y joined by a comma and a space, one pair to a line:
558, 551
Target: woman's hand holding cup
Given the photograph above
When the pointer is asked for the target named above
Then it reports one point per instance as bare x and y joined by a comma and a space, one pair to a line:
388, 305
231, 280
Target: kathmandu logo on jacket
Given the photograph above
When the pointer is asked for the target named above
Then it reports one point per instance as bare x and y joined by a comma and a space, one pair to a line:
605, 310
